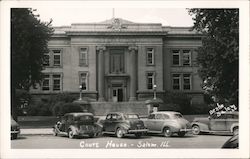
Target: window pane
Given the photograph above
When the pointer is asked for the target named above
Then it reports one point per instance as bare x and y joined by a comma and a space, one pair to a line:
46, 59
83, 81
186, 57
186, 81
176, 81
176, 57
150, 80
83, 56
150, 56
56, 82
57, 57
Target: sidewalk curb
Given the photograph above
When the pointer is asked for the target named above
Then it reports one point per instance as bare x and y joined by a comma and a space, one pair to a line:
47, 131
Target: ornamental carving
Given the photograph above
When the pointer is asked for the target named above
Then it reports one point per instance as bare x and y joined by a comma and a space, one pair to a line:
116, 25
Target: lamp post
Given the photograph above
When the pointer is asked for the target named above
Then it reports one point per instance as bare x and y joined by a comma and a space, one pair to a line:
80, 88
154, 88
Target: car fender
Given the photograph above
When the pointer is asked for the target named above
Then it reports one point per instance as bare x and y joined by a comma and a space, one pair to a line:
74, 129
123, 125
233, 126
203, 127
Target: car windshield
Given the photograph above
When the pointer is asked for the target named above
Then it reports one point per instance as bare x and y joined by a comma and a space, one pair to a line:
131, 116
176, 116
84, 118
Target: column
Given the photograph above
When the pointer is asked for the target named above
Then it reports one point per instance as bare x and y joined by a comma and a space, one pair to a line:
101, 72
133, 76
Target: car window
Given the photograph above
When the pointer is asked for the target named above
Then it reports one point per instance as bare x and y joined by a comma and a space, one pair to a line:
84, 118
151, 116
229, 116
119, 117
114, 116
159, 116
236, 116
177, 115
222, 116
131, 116
70, 119
108, 117
165, 116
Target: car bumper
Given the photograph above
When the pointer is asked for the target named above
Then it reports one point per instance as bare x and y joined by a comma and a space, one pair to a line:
15, 132
138, 131
185, 130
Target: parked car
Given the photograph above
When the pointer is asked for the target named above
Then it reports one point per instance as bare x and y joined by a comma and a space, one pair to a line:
167, 123
121, 124
232, 143
77, 124
223, 122
15, 129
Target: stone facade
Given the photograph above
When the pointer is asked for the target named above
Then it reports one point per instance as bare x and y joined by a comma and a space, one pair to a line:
121, 61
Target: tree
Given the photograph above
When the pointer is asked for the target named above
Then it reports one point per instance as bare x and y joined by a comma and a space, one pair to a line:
29, 38
218, 58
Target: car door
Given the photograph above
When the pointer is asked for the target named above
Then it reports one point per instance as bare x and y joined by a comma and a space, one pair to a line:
68, 122
218, 123
107, 123
62, 125
159, 122
151, 122
116, 119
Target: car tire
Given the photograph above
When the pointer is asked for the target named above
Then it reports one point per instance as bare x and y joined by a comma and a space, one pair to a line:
13, 136
196, 130
235, 130
119, 133
181, 133
91, 135
54, 132
71, 134
138, 135
167, 132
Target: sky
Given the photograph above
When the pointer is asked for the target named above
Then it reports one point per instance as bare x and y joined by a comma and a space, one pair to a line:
67, 16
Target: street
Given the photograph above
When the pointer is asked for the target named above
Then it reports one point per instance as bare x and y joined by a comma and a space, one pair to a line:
110, 142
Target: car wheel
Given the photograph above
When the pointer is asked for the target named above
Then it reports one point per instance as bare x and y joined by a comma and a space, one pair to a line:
13, 136
54, 132
71, 134
138, 135
181, 133
235, 130
196, 130
119, 133
91, 135
167, 132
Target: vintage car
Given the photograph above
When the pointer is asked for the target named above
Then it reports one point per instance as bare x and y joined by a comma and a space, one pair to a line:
15, 129
220, 122
120, 124
77, 124
167, 123
232, 142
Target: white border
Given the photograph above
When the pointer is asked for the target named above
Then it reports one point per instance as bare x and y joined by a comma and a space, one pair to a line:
242, 152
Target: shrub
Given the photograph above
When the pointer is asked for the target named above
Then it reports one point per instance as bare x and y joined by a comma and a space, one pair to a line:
39, 109
62, 108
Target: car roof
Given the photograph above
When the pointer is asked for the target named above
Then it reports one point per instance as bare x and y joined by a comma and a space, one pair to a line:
166, 112
229, 112
120, 113
78, 114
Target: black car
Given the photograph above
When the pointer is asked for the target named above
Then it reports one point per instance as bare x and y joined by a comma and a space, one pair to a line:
120, 124
77, 124
15, 129
232, 143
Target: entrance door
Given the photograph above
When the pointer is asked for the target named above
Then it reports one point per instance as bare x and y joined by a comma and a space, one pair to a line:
117, 94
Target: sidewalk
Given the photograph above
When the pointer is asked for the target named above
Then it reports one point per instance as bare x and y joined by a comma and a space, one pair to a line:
38, 131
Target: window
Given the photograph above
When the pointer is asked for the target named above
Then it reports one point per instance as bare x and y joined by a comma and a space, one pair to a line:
186, 81
151, 116
186, 58
53, 58
150, 80
181, 81
56, 82
176, 82
150, 56
83, 80
57, 57
83, 57
117, 61
45, 83
176, 57
52, 82
46, 61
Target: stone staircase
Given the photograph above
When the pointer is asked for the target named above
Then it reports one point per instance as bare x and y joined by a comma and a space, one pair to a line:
102, 108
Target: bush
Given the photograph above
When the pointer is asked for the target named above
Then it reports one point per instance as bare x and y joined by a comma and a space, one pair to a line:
39, 109
177, 101
62, 108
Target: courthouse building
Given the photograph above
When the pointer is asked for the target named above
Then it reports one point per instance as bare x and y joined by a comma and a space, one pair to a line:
120, 61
